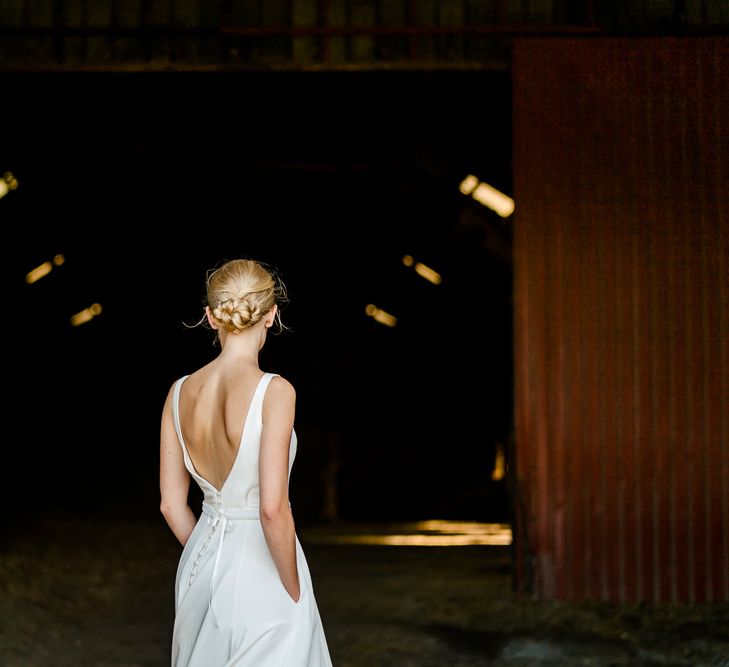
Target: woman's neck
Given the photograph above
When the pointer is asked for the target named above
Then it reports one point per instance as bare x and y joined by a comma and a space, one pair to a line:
241, 347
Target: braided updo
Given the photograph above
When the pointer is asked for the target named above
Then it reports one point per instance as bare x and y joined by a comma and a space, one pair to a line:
241, 292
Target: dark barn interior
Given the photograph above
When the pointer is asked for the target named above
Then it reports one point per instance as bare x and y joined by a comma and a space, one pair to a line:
145, 181
512, 427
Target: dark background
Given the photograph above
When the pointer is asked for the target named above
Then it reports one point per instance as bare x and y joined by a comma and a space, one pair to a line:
145, 181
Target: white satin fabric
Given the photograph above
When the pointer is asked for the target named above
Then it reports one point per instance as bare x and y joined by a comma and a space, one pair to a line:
231, 608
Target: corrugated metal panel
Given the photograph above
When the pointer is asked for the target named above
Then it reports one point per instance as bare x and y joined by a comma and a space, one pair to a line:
622, 184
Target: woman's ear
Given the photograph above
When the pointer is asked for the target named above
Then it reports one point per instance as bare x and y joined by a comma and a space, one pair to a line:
213, 324
271, 317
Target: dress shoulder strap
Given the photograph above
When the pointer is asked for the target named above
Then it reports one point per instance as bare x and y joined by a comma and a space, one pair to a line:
261, 391
176, 410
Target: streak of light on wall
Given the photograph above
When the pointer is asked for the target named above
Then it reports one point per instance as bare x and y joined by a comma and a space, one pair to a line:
487, 195
423, 270
499, 470
429, 274
38, 272
7, 183
43, 270
381, 316
86, 315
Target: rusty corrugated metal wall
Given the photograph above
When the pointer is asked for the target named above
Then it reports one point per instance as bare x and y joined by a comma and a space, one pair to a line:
621, 169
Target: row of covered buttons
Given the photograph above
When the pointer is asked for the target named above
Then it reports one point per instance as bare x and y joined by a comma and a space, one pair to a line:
211, 521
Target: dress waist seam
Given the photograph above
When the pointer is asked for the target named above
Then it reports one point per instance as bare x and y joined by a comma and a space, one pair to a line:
231, 513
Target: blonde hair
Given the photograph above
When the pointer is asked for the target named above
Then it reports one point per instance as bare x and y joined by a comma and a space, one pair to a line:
241, 292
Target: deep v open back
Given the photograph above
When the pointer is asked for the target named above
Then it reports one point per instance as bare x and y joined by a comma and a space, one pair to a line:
243, 475
231, 607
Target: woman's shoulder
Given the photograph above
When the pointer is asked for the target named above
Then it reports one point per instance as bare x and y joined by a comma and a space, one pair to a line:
173, 390
177, 382
280, 389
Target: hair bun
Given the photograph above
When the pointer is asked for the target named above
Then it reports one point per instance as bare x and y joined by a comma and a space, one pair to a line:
237, 313
241, 292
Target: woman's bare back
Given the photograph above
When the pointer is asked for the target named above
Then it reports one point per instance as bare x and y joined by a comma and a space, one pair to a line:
214, 404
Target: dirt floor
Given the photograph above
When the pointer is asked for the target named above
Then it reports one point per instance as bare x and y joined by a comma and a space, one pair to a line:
99, 592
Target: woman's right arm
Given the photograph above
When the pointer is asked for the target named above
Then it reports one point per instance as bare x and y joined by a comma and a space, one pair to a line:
174, 480
276, 519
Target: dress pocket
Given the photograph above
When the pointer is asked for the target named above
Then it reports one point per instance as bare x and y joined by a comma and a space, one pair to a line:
302, 592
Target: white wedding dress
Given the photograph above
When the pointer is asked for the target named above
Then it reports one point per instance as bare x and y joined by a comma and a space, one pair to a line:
231, 608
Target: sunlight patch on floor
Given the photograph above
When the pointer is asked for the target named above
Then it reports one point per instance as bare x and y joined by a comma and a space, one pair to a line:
433, 533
